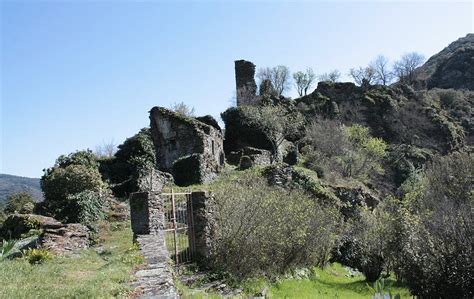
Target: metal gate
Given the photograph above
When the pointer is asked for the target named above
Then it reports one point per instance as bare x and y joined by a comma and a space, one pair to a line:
179, 227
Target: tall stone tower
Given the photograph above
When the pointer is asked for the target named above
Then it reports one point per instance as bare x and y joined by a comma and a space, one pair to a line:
245, 83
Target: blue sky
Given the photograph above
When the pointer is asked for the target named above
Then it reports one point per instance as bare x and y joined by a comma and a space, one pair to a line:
75, 74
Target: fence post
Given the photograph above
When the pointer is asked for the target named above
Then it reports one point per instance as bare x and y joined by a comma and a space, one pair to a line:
175, 228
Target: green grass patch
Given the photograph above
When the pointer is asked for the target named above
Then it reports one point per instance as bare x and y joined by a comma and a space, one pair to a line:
93, 273
334, 281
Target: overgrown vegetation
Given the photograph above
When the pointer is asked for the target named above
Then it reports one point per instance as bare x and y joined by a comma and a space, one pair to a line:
264, 230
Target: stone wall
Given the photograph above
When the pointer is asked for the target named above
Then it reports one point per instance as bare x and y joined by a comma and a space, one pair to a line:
176, 136
246, 88
204, 225
146, 213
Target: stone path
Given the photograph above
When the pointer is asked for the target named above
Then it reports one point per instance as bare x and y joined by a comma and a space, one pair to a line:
156, 281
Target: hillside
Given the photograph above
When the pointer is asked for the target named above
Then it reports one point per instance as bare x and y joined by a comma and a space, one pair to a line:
453, 67
12, 184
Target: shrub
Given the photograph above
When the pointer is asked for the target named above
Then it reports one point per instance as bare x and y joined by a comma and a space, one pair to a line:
365, 242
343, 151
59, 183
88, 208
37, 256
269, 230
19, 202
435, 255
6, 247
134, 158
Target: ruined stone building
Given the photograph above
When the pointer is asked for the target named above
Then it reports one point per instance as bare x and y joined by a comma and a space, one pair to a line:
246, 88
190, 149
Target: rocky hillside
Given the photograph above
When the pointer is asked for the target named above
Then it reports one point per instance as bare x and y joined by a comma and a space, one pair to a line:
12, 184
453, 67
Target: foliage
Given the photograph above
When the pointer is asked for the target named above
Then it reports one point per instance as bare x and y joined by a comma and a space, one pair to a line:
434, 256
88, 207
182, 109
94, 273
37, 256
86, 158
134, 158
275, 122
59, 183
269, 230
365, 242
6, 247
379, 290
346, 151
21, 202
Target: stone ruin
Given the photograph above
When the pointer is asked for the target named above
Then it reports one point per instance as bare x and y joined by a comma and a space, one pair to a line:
193, 151
246, 88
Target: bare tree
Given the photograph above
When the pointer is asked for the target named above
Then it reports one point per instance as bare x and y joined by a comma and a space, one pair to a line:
279, 76
363, 75
404, 69
332, 76
304, 81
106, 149
383, 75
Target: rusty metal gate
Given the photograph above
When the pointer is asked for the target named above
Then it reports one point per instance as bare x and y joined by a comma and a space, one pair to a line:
179, 227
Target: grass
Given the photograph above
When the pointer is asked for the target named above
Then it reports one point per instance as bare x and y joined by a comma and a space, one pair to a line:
332, 282
91, 274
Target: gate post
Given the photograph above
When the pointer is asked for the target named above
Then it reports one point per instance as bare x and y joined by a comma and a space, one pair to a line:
146, 213
203, 225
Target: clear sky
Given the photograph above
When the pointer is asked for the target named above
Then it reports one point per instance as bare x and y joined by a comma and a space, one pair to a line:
75, 74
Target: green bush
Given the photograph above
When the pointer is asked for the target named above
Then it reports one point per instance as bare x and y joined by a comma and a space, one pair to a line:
71, 174
37, 256
135, 157
88, 208
268, 230
21, 202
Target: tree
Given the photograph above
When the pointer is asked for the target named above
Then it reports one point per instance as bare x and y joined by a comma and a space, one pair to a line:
19, 202
276, 122
383, 75
332, 76
363, 75
304, 81
106, 150
279, 76
404, 68
182, 109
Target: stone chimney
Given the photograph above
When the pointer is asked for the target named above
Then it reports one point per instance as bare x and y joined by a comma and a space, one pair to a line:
245, 82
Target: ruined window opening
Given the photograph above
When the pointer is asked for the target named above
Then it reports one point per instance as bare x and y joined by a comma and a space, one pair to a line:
212, 146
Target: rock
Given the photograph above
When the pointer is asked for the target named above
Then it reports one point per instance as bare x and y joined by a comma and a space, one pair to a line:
54, 236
